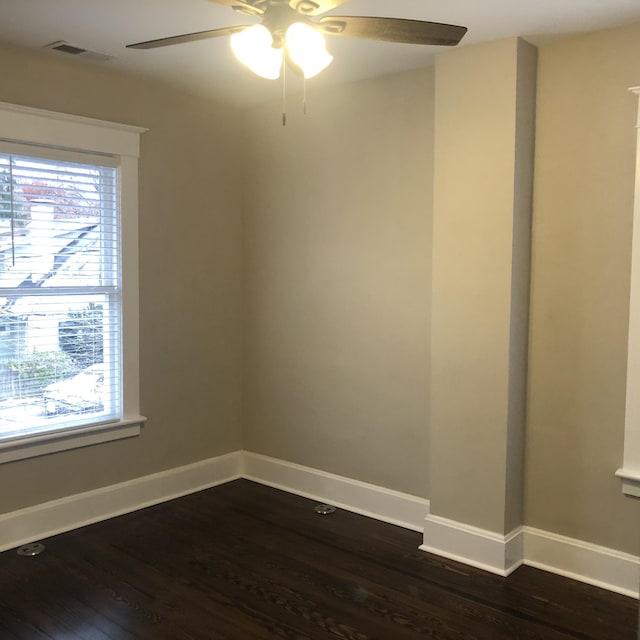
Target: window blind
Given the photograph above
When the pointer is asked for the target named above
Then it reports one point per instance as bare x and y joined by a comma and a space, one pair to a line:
60, 293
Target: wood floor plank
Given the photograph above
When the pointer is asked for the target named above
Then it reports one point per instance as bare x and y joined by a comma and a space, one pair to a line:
247, 562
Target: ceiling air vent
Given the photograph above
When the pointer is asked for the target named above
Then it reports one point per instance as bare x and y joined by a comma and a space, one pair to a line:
79, 52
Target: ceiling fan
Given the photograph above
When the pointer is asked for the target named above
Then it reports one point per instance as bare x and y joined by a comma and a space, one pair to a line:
291, 32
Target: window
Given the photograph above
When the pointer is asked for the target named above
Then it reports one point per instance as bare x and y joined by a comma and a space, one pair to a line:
68, 282
630, 471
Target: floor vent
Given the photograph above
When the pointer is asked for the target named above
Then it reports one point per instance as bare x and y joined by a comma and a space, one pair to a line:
31, 549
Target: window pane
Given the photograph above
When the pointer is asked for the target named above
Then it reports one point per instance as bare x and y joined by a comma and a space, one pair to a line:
58, 362
59, 295
57, 223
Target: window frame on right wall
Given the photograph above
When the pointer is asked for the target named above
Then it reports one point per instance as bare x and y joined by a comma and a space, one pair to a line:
630, 471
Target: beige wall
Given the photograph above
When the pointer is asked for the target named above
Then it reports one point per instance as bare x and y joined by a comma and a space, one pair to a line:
190, 271
316, 366
337, 297
580, 288
481, 233
337, 250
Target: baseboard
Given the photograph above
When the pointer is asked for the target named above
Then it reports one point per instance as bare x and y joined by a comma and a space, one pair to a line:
576, 559
477, 547
57, 516
370, 500
50, 518
579, 560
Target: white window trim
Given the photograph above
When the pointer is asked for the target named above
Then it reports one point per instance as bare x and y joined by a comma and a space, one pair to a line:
48, 128
630, 471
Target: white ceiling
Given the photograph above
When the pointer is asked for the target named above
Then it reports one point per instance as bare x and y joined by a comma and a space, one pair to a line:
209, 68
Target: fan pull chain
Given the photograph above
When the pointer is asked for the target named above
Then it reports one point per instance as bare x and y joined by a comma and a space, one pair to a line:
284, 93
304, 95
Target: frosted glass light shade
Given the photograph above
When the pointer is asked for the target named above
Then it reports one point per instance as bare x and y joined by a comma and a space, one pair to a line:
254, 48
307, 49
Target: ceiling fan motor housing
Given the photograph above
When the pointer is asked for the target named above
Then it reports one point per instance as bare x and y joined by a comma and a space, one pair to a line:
279, 16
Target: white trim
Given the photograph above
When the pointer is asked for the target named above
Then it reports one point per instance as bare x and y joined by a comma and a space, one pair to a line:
583, 561
58, 516
61, 440
575, 559
630, 471
130, 287
50, 128
630, 482
477, 547
26, 125
366, 499
636, 90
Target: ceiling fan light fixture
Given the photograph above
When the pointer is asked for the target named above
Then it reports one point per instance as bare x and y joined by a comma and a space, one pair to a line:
288, 35
307, 49
254, 48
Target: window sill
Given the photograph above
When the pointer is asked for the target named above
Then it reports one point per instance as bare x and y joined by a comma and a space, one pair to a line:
630, 482
52, 442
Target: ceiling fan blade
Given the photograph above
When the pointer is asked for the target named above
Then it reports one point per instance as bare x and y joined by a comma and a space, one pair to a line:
392, 30
314, 7
187, 37
243, 6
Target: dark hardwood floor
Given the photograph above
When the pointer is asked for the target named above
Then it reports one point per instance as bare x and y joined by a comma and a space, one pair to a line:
243, 562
